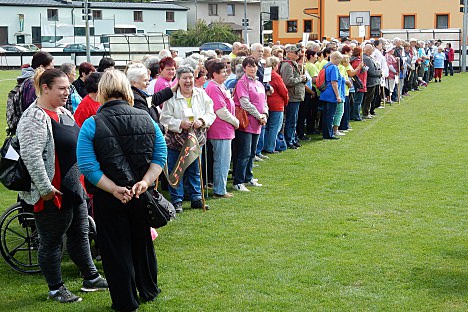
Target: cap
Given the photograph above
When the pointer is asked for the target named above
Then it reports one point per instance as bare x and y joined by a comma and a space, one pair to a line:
413, 40
343, 39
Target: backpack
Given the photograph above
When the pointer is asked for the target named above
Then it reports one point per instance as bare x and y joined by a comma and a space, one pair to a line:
320, 81
14, 107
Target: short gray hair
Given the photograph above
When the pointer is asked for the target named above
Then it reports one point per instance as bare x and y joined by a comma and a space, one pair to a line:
67, 68
184, 70
256, 46
136, 71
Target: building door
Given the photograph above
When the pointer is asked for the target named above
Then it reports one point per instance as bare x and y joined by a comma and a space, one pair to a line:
3, 35
36, 34
20, 39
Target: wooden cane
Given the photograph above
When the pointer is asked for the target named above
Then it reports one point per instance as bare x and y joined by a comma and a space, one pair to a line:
201, 183
399, 81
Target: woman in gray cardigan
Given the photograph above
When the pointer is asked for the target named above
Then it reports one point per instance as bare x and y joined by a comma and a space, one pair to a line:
47, 134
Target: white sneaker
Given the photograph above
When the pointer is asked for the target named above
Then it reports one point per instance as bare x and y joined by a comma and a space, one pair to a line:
254, 183
255, 180
241, 187
339, 133
257, 158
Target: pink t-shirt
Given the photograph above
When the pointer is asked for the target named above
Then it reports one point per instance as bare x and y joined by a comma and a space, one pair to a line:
255, 92
163, 83
220, 129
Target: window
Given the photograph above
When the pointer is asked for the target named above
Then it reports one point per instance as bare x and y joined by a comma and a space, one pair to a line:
36, 34
213, 9
375, 23
307, 26
52, 14
138, 16
291, 26
81, 31
97, 15
274, 13
442, 21
409, 21
231, 9
124, 30
344, 26
170, 16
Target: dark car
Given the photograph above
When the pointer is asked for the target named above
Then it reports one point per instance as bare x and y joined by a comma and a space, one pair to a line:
78, 47
224, 47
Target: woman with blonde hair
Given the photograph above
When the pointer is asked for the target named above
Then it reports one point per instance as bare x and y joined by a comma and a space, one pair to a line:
121, 151
48, 138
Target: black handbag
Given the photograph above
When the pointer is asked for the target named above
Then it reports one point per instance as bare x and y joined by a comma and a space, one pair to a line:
13, 173
160, 210
357, 83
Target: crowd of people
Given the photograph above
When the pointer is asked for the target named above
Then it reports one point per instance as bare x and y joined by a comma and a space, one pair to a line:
119, 129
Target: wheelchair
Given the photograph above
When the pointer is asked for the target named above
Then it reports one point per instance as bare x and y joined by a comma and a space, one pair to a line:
19, 239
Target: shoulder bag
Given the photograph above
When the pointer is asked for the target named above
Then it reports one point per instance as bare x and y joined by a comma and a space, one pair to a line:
13, 173
241, 115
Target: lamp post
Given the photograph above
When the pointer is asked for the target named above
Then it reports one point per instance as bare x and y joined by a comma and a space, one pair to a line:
464, 34
245, 22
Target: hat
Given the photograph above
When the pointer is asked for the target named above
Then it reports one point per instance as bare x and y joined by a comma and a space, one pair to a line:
292, 48
389, 47
413, 40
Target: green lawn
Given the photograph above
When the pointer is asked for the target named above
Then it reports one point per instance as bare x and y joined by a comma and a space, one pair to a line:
374, 222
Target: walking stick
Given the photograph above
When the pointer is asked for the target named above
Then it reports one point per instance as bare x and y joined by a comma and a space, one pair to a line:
201, 183
206, 168
399, 82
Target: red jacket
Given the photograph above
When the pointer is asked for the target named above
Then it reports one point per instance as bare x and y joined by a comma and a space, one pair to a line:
279, 99
450, 54
362, 74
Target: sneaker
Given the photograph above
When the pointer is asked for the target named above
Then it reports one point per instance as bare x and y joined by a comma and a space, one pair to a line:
254, 183
262, 156
368, 117
241, 187
225, 195
339, 133
63, 295
291, 146
297, 144
257, 158
178, 207
255, 180
272, 152
97, 284
198, 204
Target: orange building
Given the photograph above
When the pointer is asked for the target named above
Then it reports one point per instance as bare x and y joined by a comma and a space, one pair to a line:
330, 18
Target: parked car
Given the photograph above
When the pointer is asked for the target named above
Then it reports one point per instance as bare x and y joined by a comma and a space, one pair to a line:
29, 46
224, 47
14, 48
79, 47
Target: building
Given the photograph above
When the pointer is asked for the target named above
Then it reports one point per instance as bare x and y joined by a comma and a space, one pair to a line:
46, 22
330, 18
230, 12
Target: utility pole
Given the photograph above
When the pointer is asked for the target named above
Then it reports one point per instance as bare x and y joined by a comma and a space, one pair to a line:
245, 22
464, 34
86, 16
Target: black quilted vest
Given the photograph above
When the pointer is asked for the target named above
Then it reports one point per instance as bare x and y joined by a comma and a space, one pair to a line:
137, 135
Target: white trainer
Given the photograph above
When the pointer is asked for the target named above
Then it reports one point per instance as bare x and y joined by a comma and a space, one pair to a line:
241, 188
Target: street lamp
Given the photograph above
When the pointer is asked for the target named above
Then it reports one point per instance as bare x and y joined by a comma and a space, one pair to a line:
261, 25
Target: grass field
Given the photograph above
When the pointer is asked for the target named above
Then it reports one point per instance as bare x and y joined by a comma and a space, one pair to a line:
374, 222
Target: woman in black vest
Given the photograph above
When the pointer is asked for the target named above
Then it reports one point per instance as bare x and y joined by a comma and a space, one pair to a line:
122, 151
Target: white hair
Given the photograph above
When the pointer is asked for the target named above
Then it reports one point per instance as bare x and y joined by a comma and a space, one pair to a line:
189, 61
164, 53
256, 46
136, 71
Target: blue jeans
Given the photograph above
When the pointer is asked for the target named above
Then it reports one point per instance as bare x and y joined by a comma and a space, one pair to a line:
221, 163
191, 177
344, 125
246, 148
356, 112
328, 112
273, 127
291, 120
261, 141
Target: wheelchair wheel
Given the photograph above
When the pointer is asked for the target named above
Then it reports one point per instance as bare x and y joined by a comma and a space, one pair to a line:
19, 240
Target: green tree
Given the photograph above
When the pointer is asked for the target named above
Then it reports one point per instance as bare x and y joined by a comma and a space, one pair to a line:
196, 35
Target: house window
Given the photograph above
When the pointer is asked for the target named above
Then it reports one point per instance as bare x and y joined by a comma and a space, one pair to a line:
344, 26
97, 15
124, 30
81, 31
307, 26
274, 13
213, 9
375, 23
169, 16
291, 26
52, 14
409, 22
231, 9
138, 16
36, 34
442, 21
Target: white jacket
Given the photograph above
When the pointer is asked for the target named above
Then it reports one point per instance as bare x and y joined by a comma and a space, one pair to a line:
174, 109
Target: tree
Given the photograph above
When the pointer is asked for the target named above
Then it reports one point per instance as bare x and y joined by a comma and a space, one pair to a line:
197, 35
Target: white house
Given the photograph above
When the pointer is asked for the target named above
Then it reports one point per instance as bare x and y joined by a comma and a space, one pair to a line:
45, 22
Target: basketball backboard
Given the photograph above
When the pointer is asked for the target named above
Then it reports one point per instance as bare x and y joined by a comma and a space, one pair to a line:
359, 18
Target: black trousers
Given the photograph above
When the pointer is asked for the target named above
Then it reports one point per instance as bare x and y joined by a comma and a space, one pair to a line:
127, 251
304, 117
